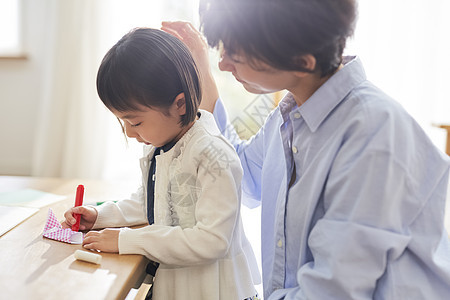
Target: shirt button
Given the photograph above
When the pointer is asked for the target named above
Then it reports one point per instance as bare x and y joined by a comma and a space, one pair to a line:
297, 115
294, 149
280, 244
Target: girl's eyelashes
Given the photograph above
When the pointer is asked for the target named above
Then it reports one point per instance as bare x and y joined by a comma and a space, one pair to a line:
136, 125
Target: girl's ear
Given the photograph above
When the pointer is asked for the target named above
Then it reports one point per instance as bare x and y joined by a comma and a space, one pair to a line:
179, 104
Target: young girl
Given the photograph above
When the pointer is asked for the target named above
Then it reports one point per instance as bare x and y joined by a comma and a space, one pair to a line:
190, 194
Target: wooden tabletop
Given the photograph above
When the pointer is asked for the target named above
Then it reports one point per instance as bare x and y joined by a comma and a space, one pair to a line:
34, 267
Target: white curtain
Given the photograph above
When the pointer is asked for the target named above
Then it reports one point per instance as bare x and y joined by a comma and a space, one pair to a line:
76, 136
71, 119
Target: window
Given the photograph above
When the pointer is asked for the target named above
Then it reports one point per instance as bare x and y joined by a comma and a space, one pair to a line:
10, 43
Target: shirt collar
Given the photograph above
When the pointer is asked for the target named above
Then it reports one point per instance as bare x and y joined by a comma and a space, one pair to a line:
202, 118
168, 146
286, 106
328, 96
164, 148
332, 92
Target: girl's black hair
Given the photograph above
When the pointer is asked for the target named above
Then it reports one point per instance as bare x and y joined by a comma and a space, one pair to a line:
149, 67
278, 32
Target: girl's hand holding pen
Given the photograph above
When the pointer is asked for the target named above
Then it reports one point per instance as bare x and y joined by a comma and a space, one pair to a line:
106, 240
88, 217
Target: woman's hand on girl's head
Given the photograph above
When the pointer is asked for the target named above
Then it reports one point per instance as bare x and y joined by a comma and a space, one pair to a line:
87, 220
194, 40
106, 240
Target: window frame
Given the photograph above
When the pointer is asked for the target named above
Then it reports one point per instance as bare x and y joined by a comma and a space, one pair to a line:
14, 50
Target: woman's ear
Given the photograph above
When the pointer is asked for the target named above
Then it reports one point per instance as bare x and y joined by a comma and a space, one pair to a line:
308, 62
179, 104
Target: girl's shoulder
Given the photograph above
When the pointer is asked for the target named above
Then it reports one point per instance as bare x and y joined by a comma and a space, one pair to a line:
209, 135
207, 123
205, 142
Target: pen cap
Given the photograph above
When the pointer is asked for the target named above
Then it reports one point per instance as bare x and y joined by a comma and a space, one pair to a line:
79, 195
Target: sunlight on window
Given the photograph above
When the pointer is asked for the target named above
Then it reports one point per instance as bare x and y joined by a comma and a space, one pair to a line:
9, 28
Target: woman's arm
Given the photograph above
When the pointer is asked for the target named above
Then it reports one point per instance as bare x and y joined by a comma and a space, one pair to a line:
250, 152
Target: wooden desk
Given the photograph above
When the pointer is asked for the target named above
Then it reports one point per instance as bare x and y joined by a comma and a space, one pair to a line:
33, 267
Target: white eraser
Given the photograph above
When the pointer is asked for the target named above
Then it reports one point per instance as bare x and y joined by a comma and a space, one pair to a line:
88, 256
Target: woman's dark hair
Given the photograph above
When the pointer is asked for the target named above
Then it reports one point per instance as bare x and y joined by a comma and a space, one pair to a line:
278, 32
149, 67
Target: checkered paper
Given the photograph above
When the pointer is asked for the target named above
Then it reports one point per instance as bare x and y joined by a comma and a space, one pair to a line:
53, 230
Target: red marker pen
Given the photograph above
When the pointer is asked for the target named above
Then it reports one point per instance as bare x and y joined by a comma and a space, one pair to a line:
78, 202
